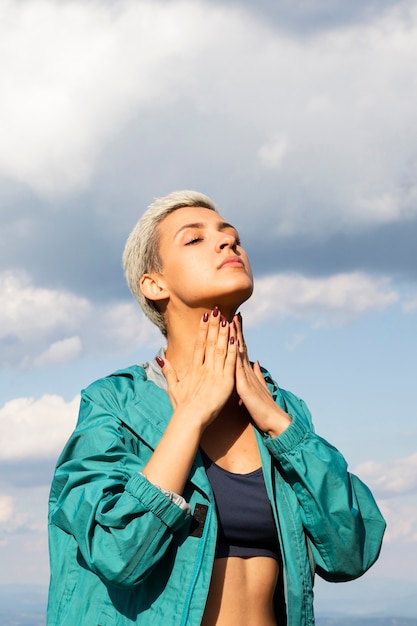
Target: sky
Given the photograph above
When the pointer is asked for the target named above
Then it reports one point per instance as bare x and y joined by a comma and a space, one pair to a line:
298, 118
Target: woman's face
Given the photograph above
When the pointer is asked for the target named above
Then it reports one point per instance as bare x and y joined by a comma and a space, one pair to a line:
203, 262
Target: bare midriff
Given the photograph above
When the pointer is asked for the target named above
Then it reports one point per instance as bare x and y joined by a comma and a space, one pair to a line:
241, 592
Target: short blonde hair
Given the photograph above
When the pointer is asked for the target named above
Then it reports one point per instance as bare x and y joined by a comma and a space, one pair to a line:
141, 253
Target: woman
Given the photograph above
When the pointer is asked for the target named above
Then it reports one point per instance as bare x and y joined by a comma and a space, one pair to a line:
194, 490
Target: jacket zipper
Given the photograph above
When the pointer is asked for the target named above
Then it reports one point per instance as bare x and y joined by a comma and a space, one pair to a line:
197, 568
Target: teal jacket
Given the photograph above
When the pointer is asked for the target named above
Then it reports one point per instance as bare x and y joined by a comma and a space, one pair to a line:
123, 554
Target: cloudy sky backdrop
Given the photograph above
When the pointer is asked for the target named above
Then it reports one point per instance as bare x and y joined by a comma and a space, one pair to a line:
299, 119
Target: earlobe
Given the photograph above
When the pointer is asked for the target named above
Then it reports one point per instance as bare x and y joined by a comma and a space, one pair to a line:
152, 286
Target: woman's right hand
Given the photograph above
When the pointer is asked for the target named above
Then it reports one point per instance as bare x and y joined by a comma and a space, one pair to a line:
209, 381
197, 399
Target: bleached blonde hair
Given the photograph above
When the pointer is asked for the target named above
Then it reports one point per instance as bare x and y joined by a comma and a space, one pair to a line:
141, 254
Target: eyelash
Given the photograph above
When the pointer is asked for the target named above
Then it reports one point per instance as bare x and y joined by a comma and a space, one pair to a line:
196, 239
193, 240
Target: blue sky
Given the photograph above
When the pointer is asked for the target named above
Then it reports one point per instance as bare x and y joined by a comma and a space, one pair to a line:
299, 121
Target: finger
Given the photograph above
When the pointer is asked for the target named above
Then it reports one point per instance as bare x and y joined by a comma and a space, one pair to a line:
222, 341
241, 341
231, 356
167, 370
242, 348
201, 341
170, 376
211, 348
258, 373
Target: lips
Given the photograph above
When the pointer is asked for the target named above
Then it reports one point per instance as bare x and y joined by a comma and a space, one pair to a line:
232, 261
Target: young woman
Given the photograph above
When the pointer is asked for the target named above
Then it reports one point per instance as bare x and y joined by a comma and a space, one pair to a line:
194, 490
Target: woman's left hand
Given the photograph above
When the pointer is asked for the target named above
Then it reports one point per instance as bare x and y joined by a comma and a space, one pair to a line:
254, 393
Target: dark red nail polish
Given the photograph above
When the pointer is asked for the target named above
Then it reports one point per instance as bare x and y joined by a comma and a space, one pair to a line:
224, 321
215, 311
205, 317
160, 361
232, 340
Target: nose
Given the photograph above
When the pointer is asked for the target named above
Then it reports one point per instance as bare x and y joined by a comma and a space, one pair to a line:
226, 240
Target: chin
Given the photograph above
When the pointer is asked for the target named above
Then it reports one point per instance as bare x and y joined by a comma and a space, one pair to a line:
234, 299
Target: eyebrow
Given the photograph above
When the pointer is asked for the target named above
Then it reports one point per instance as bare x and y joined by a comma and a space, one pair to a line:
221, 226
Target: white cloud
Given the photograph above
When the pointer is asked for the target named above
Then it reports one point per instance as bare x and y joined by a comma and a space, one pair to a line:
40, 327
25, 309
77, 73
401, 520
60, 352
6, 508
40, 427
11, 518
273, 152
386, 208
333, 299
390, 479
394, 484
125, 326
410, 306
31, 317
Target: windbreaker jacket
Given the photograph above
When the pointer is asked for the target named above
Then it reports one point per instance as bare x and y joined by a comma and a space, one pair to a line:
123, 554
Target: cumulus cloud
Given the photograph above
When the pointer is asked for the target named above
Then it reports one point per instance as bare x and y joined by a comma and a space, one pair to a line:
410, 306
11, 518
332, 117
401, 517
391, 479
30, 316
394, 484
6, 508
328, 300
40, 326
60, 352
25, 309
40, 427
272, 153
23, 527
76, 72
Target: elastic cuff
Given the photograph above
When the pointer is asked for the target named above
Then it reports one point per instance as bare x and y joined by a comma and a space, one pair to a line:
289, 439
155, 501
174, 497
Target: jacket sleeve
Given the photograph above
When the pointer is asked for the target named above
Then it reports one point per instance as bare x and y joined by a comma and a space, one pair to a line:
123, 525
342, 522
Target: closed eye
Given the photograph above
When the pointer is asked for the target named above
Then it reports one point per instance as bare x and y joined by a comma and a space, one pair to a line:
194, 240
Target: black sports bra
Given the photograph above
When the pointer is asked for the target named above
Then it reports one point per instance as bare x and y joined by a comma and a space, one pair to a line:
246, 524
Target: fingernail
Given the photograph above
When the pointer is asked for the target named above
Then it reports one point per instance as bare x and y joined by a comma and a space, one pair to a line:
205, 317
224, 321
232, 340
160, 361
215, 311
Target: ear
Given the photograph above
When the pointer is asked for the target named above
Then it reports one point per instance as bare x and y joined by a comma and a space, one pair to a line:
153, 287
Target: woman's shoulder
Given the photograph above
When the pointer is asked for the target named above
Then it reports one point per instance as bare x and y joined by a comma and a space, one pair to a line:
131, 385
120, 381
122, 387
